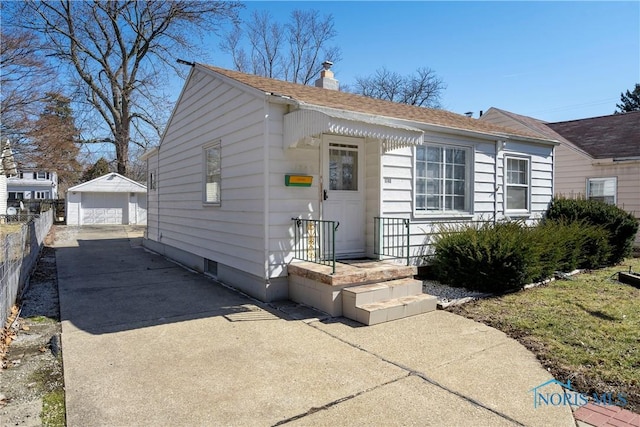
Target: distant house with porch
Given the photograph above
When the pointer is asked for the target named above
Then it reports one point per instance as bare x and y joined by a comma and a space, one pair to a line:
597, 158
253, 173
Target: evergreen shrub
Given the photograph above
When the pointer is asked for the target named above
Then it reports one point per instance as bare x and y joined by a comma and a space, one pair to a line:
491, 257
620, 225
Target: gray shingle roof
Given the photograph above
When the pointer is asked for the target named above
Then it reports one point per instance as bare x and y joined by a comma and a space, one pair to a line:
614, 136
361, 104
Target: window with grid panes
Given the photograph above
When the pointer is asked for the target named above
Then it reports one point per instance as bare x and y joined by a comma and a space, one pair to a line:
442, 179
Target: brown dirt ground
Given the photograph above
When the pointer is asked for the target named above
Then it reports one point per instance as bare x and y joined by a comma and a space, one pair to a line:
30, 351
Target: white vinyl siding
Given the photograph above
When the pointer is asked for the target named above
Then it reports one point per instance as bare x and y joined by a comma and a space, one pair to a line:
517, 184
602, 189
486, 169
233, 233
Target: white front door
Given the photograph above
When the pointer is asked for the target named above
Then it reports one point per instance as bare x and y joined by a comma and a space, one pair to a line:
343, 192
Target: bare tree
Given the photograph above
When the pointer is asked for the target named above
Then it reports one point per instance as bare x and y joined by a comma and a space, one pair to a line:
422, 89
24, 80
118, 54
292, 51
266, 39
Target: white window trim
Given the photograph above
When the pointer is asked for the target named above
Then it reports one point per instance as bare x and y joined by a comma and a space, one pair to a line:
218, 144
604, 178
469, 174
506, 186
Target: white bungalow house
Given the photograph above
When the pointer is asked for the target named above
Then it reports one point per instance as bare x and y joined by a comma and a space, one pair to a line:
111, 199
253, 174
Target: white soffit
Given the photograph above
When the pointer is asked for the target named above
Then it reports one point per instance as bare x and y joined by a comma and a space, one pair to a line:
305, 126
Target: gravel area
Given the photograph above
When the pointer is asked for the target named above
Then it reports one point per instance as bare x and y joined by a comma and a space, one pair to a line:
448, 295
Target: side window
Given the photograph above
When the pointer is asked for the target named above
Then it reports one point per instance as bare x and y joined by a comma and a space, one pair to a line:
152, 180
518, 184
603, 189
212, 174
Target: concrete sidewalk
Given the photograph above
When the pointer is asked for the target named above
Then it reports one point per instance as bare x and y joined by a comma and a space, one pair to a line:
146, 342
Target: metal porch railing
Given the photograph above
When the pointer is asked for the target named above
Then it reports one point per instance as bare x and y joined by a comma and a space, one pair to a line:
315, 241
391, 237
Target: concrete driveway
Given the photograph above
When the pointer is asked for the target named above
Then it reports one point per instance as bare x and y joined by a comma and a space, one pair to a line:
146, 342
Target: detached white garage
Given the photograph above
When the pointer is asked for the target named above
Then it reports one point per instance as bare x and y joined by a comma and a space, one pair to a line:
111, 199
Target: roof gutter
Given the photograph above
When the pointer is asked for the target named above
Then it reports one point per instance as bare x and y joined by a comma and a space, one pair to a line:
614, 160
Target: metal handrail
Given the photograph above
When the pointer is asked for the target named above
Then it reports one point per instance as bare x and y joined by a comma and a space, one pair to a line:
315, 241
392, 237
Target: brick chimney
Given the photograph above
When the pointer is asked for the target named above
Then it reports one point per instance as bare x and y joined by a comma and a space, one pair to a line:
326, 79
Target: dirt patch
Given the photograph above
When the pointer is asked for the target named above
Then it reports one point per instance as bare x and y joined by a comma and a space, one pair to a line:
31, 378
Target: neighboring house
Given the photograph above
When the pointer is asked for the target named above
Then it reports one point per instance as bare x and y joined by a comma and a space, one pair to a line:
111, 199
29, 184
7, 169
598, 157
243, 156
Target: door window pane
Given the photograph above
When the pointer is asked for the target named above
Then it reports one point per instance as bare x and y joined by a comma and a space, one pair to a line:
343, 168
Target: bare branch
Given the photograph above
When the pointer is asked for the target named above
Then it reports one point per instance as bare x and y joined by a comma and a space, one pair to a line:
422, 89
119, 53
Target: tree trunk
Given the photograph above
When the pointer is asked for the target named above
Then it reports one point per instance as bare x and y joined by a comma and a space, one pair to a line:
122, 149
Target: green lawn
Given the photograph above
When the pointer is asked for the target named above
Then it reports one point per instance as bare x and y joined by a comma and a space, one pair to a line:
586, 329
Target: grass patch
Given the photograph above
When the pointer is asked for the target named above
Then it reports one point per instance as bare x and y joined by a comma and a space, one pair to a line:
41, 319
50, 382
586, 330
53, 409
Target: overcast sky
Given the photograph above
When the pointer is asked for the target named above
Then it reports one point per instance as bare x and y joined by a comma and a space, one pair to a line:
554, 61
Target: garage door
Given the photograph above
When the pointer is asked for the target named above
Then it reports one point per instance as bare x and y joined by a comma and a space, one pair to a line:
104, 208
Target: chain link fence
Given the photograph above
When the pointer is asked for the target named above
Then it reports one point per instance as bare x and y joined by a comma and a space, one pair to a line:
20, 244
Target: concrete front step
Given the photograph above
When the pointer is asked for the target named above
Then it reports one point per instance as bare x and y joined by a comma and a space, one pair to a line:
394, 309
385, 301
380, 291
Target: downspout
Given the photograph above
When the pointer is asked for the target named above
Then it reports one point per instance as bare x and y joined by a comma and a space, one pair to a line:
265, 171
553, 174
499, 145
